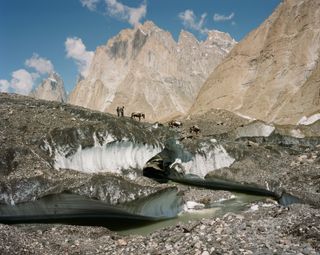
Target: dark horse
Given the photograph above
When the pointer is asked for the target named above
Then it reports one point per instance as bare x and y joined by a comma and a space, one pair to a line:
138, 115
194, 129
175, 123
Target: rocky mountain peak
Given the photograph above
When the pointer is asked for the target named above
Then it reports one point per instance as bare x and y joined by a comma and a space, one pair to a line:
186, 37
148, 26
129, 42
54, 79
274, 73
51, 88
214, 35
145, 69
219, 37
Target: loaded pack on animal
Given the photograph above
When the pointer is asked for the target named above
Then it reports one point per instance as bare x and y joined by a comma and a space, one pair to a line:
175, 123
194, 129
138, 115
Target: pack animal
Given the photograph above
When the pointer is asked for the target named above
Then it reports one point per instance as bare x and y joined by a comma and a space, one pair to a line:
175, 123
138, 115
194, 129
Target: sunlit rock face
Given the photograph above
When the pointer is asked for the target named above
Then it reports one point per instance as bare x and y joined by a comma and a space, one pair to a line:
145, 69
273, 74
51, 88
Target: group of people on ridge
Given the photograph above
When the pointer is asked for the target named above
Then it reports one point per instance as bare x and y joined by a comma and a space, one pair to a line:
120, 111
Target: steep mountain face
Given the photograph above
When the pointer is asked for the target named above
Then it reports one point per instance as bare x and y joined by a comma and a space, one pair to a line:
145, 70
274, 73
51, 89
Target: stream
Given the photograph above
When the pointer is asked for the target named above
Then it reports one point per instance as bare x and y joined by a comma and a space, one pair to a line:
239, 202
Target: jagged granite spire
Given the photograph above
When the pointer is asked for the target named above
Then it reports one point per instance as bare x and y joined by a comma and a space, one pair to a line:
51, 88
146, 70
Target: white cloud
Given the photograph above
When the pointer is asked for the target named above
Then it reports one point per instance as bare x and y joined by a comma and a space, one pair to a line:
41, 65
220, 17
22, 81
77, 50
118, 10
189, 21
126, 13
90, 4
4, 86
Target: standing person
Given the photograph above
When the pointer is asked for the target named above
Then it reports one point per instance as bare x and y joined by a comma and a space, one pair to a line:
118, 111
122, 111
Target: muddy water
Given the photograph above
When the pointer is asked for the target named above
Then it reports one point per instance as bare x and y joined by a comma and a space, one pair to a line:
238, 203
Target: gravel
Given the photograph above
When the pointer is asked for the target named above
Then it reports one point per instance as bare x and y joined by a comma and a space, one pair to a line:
269, 230
262, 228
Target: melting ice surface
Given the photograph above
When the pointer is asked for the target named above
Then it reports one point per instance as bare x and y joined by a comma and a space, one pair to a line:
111, 156
164, 204
309, 120
255, 129
209, 156
296, 133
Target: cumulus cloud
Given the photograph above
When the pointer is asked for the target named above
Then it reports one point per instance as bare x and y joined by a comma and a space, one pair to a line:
77, 50
4, 86
220, 17
119, 10
189, 20
90, 4
40, 64
126, 13
22, 81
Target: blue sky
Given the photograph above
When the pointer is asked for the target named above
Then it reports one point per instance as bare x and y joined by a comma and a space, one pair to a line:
39, 36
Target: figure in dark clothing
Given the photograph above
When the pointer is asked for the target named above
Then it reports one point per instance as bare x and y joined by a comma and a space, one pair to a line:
118, 111
122, 111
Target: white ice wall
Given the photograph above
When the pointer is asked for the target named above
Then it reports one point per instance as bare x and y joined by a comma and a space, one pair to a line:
309, 120
254, 129
114, 156
209, 157
111, 156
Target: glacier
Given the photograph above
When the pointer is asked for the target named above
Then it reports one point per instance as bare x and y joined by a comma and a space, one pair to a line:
209, 157
309, 120
112, 155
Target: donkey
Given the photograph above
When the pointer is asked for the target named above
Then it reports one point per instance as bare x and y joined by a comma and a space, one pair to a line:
194, 129
138, 115
175, 123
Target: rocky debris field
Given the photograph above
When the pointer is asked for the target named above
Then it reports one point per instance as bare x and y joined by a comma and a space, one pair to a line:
262, 229
278, 162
